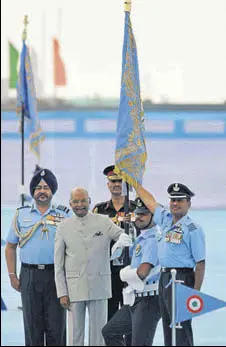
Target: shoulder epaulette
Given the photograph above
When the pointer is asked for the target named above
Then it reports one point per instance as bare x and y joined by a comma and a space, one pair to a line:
192, 227
99, 204
21, 207
151, 236
63, 208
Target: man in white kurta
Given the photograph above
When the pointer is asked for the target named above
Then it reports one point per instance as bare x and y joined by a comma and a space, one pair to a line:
82, 268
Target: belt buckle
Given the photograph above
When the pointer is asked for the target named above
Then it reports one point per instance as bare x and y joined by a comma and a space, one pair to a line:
41, 266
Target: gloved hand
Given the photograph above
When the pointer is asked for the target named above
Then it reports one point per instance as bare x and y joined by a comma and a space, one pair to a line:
129, 275
128, 296
124, 240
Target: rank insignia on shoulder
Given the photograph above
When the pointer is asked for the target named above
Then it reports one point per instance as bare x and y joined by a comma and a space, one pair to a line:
95, 210
63, 208
21, 207
191, 227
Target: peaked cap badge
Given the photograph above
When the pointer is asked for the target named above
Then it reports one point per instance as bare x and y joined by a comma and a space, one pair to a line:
176, 188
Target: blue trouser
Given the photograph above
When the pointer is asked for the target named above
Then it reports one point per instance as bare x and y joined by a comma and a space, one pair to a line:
141, 320
184, 336
44, 318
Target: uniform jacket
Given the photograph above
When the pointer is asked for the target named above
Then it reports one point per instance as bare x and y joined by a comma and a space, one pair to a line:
82, 257
35, 232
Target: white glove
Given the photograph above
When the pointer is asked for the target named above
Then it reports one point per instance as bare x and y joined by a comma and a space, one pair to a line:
124, 240
128, 296
129, 275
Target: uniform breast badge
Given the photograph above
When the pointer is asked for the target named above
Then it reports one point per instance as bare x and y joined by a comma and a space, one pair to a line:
138, 250
51, 220
176, 234
168, 236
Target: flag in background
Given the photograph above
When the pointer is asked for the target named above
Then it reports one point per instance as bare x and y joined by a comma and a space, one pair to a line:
130, 156
59, 69
191, 303
26, 101
13, 64
36, 69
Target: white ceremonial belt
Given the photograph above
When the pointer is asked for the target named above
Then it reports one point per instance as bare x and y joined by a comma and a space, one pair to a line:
150, 293
151, 286
149, 290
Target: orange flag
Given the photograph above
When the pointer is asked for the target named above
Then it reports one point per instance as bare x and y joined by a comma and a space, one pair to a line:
59, 69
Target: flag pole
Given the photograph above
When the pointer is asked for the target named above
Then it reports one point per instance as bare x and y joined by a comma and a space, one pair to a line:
173, 274
22, 192
127, 8
126, 225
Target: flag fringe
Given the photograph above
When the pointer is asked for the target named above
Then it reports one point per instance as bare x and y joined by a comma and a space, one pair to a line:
125, 176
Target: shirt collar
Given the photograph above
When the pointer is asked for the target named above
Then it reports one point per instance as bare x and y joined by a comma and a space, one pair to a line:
145, 234
182, 220
110, 204
34, 208
82, 219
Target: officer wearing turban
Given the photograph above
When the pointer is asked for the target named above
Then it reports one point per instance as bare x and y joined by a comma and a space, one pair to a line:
182, 247
47, 176
33, 230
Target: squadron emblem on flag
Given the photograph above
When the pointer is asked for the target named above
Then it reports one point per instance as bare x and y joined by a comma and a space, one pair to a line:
194, 304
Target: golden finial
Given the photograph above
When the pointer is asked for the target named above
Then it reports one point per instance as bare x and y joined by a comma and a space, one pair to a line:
127, 5
24, 36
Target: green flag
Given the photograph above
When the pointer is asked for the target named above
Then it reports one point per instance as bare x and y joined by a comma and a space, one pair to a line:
13, 62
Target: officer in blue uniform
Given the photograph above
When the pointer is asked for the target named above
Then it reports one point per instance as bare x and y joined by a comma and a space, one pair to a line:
33, 230
181, 246
141, 312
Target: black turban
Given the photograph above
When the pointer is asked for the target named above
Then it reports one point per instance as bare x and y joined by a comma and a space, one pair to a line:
47, 176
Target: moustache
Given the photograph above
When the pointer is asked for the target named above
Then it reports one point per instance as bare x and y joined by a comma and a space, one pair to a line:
82, 208
41, 194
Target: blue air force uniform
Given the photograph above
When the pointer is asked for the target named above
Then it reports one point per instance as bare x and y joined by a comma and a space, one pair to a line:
180, 246
42, 311
44, 318
142, 317
35, 233
145, 311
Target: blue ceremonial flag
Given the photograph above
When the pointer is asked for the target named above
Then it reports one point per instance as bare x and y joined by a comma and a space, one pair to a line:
130, 155
26, 101
191, 303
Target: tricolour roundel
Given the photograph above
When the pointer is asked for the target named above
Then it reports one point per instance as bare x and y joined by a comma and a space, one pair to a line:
194, 304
